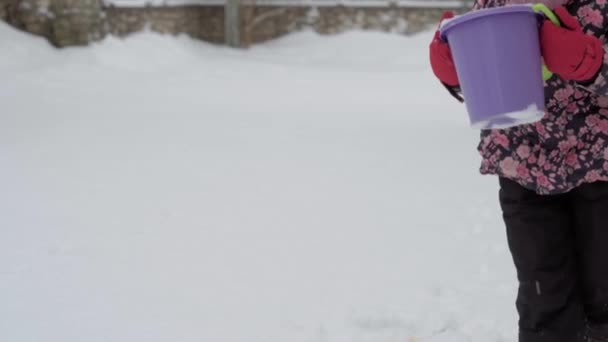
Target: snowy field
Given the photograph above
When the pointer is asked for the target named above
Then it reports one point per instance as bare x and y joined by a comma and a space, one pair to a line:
312, 189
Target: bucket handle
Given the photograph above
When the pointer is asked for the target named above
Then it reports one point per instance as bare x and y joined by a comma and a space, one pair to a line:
544, 10
547, 13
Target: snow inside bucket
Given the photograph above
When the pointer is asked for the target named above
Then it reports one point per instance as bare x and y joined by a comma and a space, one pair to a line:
498, 60
529, 115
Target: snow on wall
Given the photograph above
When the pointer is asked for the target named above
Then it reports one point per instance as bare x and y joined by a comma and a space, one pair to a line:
357, 3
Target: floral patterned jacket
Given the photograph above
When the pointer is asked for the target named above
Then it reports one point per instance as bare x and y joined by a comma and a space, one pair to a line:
569, 146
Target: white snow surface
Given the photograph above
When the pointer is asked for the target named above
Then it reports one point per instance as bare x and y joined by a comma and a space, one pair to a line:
311, 189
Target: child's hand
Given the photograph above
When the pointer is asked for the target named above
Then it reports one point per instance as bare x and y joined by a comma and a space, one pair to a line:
441, 58
568, 51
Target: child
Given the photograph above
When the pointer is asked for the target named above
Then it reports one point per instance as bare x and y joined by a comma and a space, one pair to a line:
553, 178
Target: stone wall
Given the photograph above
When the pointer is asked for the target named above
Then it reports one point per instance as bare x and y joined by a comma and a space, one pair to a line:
78, 22
29, 16
259, 23
264, 23
202, 22
3, 11
63, 22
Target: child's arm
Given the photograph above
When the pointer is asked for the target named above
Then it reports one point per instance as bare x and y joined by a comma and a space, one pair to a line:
593, 15
442, 63
570, 52
576, 51
589, 51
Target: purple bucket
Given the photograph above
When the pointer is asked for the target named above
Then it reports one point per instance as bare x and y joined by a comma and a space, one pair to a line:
498, 60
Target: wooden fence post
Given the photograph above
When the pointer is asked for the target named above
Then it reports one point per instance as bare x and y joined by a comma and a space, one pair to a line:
233, 23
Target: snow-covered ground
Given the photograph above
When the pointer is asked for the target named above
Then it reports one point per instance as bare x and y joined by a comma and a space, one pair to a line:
312, 189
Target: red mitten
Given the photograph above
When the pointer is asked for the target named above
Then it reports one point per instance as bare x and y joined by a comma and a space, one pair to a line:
568, 51
441, 58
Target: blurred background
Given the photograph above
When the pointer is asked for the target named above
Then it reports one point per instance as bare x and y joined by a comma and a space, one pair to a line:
236, 22
253, 171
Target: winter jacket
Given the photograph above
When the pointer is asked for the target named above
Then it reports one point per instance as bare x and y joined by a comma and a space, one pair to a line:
569, 146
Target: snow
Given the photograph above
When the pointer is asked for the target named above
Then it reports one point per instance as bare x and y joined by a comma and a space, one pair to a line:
528, 115
312, 189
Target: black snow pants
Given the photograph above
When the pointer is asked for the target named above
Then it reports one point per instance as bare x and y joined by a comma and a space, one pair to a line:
559, 245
